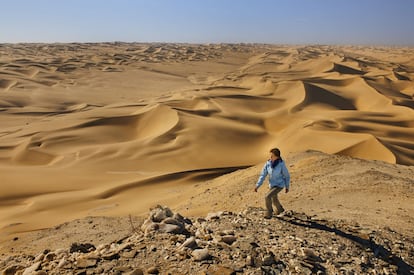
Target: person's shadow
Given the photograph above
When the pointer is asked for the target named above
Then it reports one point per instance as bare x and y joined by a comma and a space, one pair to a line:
379, 251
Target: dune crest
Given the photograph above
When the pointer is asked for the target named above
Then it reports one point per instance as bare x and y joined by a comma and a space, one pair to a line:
119, 127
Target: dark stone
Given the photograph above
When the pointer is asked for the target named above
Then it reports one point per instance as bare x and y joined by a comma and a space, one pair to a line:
83, 247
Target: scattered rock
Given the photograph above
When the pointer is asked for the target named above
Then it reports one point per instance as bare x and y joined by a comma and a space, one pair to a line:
159, 213
228, 243
214, 216
201, 254
83, 247
249, 261
228, 239
110, 256
189, 243
268, 259
163, 219
221, 270
170, 228
137, 271
11, 270
82, 262
129, 254
153, 270
31, 270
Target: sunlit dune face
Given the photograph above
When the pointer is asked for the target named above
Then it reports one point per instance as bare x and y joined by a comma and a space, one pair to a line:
103, 129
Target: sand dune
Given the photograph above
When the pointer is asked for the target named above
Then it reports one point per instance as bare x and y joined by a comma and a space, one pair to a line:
115, 128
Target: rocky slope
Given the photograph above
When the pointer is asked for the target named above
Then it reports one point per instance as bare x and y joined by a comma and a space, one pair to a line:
229, 243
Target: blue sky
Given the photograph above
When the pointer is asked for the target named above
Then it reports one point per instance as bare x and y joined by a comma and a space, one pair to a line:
364, 22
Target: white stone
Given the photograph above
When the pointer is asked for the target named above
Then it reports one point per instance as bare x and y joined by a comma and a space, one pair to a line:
31, 270
200, 254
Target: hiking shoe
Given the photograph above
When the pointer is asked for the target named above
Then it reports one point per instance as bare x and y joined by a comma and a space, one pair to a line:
268, 216
281, 214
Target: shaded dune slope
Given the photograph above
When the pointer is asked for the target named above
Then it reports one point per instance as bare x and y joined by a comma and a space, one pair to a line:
108, 151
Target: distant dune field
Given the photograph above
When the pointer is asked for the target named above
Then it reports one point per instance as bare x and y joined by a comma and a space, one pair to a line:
115, 128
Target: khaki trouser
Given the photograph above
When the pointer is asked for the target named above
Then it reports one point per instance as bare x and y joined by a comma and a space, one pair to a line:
271, 197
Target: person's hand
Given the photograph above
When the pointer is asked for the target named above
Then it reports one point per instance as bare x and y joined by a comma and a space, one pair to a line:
287, 190
255, 189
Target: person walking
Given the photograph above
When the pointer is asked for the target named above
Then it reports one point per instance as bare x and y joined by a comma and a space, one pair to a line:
279, 178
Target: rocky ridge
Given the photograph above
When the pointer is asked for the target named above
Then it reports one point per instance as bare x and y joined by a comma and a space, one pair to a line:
230, 243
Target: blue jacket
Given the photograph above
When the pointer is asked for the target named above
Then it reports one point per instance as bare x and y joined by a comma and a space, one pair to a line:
278, 176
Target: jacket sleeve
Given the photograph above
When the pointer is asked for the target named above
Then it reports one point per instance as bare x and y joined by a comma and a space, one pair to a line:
262, 176
286, 176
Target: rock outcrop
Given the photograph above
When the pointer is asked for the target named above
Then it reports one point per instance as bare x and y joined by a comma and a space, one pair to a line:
230, 243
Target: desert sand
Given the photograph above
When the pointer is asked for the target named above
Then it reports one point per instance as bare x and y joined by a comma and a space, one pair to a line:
112, 129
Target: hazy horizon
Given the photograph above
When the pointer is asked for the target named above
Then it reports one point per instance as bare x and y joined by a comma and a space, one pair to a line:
297, 22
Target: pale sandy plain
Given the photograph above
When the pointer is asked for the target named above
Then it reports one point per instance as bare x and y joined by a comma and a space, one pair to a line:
113, 129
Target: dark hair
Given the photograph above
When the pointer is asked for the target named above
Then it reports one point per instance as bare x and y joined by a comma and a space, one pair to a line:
276, 152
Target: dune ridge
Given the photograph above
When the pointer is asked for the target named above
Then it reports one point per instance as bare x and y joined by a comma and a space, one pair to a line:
112, 128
